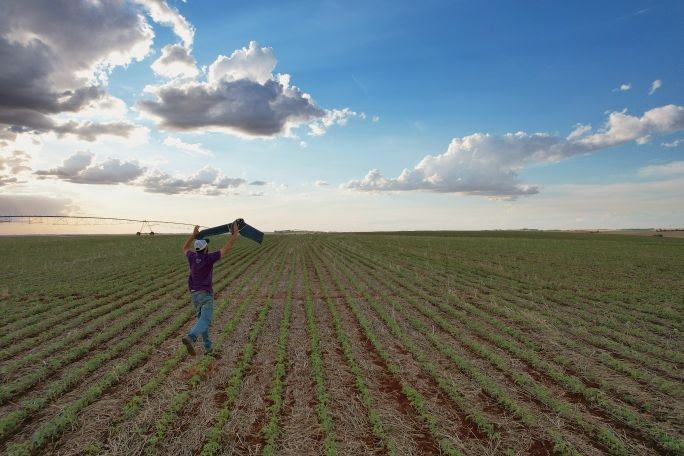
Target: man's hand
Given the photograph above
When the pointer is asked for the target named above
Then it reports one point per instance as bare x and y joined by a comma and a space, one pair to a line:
226, 248
188, 243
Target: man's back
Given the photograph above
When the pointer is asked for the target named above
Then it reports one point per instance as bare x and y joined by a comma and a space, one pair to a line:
201, 270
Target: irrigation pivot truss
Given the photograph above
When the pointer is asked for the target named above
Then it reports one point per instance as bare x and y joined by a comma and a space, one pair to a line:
145, 228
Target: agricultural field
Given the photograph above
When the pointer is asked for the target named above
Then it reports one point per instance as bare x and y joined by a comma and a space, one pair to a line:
454, 343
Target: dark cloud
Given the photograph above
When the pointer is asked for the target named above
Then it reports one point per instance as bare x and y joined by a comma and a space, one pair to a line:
89, 131
11, 165
15, 162
242, 106
206, 181
58, 50
34, 205
80, 169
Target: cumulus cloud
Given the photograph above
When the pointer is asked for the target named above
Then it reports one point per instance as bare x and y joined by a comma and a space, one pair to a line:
485, 164
668, 169
193, 149
655, 85
175, 61
80, 169
254, 63
623, 87
321, 183
34, 205
208, 181
258, 183
56, 72
241, 96
622, 127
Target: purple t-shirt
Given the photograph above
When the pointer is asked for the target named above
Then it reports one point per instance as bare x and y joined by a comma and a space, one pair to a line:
201, 269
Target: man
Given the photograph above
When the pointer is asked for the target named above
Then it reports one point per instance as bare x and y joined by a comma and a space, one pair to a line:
201, 264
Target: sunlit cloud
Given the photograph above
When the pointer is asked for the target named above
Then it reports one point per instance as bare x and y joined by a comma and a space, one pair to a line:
488, 165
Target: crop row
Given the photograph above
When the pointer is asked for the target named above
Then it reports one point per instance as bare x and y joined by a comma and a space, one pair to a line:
101, 312
318, 371
570, 383
92, 326
200, 367
10, 423
366, 396
78, 316
617, 364
482, 274
498, 393
133, 406
32, 308
212, 438
584, 303
51, 429
143, 277
272, 430
103, 291
414, 397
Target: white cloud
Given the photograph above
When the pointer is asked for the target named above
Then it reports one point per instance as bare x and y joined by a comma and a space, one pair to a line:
162, 13
623, 87
672, 144
655, 85
622, 127
321, 183
376, 119
484, 164
175, 61
331, 117
253, 63
668, 169
193, 149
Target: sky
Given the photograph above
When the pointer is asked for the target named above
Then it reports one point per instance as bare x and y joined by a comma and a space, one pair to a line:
343, 116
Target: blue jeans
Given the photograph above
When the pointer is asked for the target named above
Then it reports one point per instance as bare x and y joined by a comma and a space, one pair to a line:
204, 307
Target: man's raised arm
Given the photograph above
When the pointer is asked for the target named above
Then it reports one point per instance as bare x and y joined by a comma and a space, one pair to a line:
226, 248
188, 243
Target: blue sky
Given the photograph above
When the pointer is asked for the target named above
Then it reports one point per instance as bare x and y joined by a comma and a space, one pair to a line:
409, 80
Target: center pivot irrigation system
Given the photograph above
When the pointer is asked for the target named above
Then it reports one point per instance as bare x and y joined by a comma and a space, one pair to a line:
145, 228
